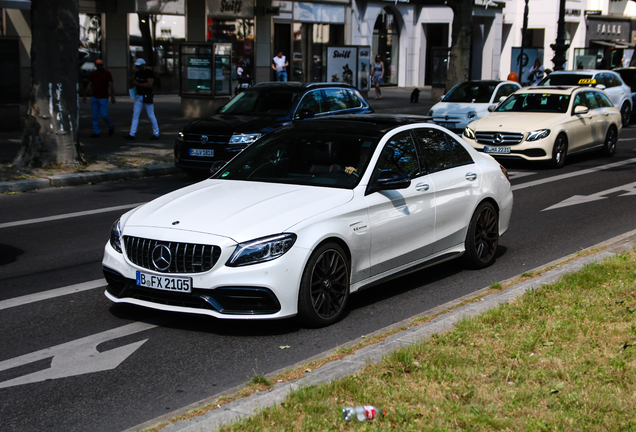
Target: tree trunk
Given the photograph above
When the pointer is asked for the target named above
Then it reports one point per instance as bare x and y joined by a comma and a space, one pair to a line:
50, 135
462, 33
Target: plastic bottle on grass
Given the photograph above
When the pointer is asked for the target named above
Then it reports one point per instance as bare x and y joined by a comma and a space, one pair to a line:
362, 413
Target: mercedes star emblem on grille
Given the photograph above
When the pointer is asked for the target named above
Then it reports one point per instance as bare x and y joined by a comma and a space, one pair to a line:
498, 138
161, 257
204, 139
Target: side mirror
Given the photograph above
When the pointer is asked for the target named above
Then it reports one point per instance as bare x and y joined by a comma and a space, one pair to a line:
304, 114
503, 98
216, 166
580, 109
601, 87
389, 180
491, 108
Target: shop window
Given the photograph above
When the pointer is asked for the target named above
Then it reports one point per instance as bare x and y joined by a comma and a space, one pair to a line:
310, 43
386, 42
240, 33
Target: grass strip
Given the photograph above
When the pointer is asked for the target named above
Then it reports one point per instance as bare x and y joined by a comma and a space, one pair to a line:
561, 357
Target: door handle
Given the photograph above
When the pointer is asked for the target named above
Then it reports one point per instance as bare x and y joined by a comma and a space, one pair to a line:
420, 187
471, 176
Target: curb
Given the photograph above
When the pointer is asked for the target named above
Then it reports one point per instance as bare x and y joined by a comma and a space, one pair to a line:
245, 407
88, 178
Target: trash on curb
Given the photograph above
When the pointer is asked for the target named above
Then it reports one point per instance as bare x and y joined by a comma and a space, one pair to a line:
362, 413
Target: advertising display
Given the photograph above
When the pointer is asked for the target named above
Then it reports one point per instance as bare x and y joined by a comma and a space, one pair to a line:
199, 74
527, 61
364, 68
342, 65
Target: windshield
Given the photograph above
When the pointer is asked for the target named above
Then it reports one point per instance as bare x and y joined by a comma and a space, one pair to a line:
303, 158
266, 101
471, 92
536, 102
567, 79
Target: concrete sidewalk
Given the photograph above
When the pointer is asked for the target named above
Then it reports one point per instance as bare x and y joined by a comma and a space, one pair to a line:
158, 154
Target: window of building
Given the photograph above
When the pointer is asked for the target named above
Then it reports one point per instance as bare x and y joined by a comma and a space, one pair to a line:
386, 42
240, 33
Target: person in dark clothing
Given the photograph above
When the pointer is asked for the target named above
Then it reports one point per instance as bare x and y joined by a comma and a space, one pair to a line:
143, 80
100, 83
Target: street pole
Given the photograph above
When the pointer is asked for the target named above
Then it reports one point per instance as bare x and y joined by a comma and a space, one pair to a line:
524, 30
560, 47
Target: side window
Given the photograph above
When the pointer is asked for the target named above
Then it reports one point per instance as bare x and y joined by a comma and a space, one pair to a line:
336, 99
352, 100
501, 92
579, 100
313, 102
602, 100
600, 79
437, 153
399, 154
590, 100
460, 154
611, 80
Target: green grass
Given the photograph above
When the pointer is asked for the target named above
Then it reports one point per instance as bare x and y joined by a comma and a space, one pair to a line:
560, 358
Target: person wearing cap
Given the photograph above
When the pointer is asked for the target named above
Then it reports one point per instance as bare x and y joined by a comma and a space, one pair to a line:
143, 80
100, 83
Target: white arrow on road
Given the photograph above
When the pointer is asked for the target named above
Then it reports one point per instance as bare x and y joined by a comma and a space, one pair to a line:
630, 189
77, 357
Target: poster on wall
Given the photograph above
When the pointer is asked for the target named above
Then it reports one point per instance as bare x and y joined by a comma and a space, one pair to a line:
199, 74
530, 56
364, 68
342, 65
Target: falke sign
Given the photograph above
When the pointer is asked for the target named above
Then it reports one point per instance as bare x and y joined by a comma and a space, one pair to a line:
231, 8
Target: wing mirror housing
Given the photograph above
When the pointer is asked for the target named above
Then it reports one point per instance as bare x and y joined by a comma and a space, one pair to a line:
389, 180
491, 108
304, 114
580, 109
216, 166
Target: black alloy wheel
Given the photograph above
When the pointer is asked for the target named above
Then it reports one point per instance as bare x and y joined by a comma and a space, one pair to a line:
609, 147
482, 238
559, 151
324, 288
626, 114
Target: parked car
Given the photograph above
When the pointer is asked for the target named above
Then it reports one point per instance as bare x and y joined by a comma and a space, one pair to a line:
610, 81
308, 214
628, 74
469, 101
254, 112
547, 123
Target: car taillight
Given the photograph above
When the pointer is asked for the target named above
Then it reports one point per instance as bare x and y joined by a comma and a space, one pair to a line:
504, 171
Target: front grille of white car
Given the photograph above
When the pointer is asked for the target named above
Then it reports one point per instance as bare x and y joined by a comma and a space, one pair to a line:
176, 258
498, 138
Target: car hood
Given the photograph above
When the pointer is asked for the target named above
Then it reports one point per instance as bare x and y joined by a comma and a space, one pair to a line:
238, 210
443, 108
522, 121
226, 124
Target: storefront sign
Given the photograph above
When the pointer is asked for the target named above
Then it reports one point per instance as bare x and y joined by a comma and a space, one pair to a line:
607, 29
231, 8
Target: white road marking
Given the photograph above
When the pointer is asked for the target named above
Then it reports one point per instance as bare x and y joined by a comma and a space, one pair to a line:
519, 174
582, 199
46, 295
68, 215
573, 174
77, 357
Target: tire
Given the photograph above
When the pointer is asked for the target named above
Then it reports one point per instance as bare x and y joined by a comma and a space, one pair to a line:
324, 288
609, 147
482, 238
559, 151
626, 114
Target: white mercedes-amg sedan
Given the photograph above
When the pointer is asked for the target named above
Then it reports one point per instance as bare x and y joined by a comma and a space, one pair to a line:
309, 214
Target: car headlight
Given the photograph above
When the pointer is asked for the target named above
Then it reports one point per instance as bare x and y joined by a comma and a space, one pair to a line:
471, 114
244, 138
115, 236
468, 133
538, 134
180, 136
261, 250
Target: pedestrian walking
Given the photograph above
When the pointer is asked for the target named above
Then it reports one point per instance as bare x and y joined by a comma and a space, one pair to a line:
279, 64
142, 81
100, 84
378, 75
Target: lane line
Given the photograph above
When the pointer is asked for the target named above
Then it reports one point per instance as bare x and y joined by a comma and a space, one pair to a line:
47, 295
573, 174
68, 215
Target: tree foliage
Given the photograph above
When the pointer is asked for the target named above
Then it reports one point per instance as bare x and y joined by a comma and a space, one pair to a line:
50, 134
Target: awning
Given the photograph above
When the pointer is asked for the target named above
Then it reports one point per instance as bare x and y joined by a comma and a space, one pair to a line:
614, 44
15, 4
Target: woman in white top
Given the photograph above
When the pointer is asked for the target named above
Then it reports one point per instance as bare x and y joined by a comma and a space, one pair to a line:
378, 74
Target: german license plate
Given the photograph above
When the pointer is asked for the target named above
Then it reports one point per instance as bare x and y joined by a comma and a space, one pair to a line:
166, 283
202, 152
497, 150
447, 125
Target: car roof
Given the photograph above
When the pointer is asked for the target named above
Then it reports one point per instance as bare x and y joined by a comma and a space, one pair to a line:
581, 72
294, 85
374, 125
562, 89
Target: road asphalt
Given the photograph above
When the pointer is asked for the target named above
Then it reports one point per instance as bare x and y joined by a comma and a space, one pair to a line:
168, 111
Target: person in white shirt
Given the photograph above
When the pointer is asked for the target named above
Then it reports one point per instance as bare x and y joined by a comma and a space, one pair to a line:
279, 64
537, 73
